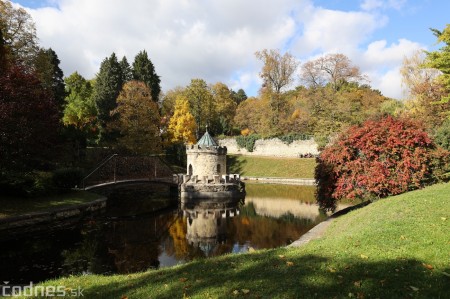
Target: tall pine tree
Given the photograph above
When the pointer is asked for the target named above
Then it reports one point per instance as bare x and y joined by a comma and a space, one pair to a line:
109, 82
143, 70
127, 72
51, 76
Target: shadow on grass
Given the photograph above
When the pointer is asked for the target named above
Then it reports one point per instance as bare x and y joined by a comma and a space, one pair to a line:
235, 165
282, 274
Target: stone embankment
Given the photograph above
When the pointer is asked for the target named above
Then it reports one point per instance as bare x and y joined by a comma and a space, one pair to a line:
273, 148
282, 181
49, 220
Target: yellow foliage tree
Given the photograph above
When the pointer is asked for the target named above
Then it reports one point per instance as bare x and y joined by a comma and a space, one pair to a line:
182, 124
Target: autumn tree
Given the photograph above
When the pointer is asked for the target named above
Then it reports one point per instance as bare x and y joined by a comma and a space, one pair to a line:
278, 70
251, 115
333, 69
201, 103
168, 100
423, 91
225, 107
106, 90
46, 64
137, 119
29, 121
143, 70
19, 33
440, 60
80, 110
277, 73
182, 125
379, 158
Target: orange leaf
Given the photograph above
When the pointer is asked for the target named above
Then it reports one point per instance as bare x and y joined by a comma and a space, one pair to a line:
428, 266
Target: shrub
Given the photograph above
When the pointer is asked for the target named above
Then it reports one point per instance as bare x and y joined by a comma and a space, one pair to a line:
377, 159
289, 138
442, 136
66, 178
247, 142
30, 184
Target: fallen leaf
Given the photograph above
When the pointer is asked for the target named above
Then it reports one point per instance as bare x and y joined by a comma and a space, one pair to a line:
443, 218
428, 266
402, 237
364, 256
235, 292
124, 297
289, 264
281, 256
360, 295
414, 288
245, 291
382, 282
332, 270
357, 283
183, 279
350, 295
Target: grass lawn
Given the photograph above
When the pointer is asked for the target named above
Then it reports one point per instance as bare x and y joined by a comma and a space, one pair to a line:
13, 206
394, 248
254, 166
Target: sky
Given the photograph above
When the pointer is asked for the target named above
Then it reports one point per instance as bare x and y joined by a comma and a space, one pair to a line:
216, 40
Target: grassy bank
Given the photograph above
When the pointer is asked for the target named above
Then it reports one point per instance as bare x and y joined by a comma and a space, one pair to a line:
393, 248
13, 206
272, 167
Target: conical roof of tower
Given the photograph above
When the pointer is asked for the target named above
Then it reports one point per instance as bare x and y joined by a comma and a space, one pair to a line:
207, 140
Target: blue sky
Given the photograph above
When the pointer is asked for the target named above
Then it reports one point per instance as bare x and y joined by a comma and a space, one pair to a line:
216, 40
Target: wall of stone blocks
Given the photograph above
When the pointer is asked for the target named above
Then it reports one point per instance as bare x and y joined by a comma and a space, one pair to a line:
272, 147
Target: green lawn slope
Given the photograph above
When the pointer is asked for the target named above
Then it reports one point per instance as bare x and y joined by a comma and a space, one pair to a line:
257, 166
397, 247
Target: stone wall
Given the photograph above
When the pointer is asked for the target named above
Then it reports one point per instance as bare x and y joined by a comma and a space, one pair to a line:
272, 147
204, 162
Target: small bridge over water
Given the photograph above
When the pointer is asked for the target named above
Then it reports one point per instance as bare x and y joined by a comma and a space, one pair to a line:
118, 169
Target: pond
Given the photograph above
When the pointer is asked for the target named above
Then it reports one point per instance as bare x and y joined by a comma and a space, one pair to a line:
141, 229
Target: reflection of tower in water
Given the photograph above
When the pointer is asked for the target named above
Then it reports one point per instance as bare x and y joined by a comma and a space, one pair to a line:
207, 223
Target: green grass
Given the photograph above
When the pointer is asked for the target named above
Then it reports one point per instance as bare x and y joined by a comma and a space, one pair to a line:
394, 248
272, 167
13, 206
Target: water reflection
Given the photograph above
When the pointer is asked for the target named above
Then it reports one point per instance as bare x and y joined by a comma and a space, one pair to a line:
207, 223
142, 230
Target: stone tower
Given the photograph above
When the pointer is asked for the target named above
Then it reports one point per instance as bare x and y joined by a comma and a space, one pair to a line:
206, 158
206, 176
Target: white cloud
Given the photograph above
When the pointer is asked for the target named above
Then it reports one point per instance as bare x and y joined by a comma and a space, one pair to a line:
185, 39
216, 40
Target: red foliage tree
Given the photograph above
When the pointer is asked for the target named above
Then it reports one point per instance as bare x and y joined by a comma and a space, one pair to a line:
377, 159
28, 121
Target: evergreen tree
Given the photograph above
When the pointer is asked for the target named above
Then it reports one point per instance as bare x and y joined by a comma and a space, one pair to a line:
107, 88
239, 96
127, 72
51, 76
143, 70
